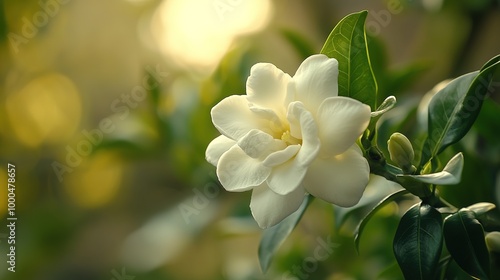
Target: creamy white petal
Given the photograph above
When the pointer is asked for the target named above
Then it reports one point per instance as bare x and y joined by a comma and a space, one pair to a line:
233, 117
238, 172
273, 124
258, 144
309, 133
315, 80
286, 177
267, 87
341, 120
340, 180
281, 156
217, 147
269, 208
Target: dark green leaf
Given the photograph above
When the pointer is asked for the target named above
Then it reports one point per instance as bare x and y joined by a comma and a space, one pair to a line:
490, 220
347, 44
418, 242
274, 236
453, 110
453, 271
464, 237
388, 199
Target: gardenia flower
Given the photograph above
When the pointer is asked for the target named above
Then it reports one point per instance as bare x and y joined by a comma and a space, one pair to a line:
289, 136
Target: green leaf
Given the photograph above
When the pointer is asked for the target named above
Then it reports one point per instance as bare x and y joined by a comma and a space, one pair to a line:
378, 187
450, 175
464, 237
453, 110
453, 271
491, 62
418, 242
273, 237
388, 199
347, 44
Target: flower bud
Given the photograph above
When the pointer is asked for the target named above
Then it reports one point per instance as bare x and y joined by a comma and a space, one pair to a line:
493, 241
401, 151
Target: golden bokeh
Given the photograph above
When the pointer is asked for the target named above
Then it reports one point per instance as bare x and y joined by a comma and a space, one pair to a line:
96, 181
204, 41
46, 110
3, 193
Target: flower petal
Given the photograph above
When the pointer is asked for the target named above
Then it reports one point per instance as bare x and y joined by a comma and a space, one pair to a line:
233, 117
281, 156
341, 120
269, 208
237, 172
274, 123
340, 180
267, 87
286, 177
315, 80
217, 147
258, 144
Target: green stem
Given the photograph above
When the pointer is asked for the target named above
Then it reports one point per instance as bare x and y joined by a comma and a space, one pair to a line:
380, 167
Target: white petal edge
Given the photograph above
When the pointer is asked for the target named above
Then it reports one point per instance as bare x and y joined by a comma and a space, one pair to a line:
269, 208
315, 80
233, 117
237, 172
267, 86
258, 144
288, 176
217, 147
341, 120
340, 180
280, 157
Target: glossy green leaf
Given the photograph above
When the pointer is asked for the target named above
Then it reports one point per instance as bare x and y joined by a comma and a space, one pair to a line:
453, 110
274, 236
464, 237
388, 199
418, 242
453, 271
378, 187
347, 44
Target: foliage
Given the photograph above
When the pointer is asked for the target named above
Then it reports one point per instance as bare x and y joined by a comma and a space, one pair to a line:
432, 222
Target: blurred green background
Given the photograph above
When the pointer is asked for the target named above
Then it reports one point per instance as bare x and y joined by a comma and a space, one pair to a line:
105, 112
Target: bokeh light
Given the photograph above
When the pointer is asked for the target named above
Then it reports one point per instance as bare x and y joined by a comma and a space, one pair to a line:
95, 181
46, 110
197, 33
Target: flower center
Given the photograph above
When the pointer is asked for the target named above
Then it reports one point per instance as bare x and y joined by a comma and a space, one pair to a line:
289, 139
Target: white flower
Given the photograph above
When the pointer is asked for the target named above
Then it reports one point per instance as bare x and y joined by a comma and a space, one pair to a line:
290, 136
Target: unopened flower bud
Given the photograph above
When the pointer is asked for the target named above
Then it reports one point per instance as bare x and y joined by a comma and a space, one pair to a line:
401, 151
493, 241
